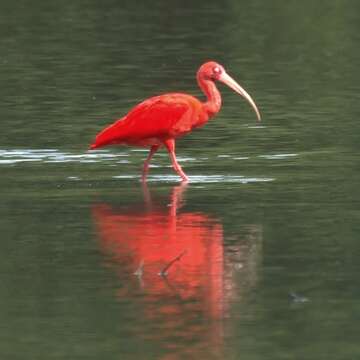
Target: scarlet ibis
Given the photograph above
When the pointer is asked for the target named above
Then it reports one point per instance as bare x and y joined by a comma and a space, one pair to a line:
161, 119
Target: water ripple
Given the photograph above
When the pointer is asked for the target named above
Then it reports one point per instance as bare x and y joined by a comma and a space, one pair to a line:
200, 179
55, 156
277, 156
48, 156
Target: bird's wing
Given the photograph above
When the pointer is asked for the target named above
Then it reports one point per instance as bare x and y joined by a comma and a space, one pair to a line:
159, 117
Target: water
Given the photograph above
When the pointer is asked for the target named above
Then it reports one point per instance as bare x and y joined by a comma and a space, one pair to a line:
270, 218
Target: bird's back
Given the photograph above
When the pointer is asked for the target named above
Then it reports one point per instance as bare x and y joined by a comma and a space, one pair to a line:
160, 117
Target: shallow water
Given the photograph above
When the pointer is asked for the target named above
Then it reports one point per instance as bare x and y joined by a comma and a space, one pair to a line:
270, 216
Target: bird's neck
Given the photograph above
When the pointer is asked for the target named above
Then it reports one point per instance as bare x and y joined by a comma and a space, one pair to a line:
212, 104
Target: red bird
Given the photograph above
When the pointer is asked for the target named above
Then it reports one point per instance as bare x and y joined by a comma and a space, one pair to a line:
162, 119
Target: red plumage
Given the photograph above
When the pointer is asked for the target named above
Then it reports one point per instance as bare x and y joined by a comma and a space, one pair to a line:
162, 119
154, 120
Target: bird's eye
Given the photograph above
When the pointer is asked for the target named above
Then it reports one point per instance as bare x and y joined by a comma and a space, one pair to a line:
216, 72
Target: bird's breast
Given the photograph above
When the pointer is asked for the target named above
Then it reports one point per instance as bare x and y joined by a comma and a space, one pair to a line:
193, 118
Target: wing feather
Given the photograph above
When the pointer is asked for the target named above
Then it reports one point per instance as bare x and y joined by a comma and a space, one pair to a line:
159, 117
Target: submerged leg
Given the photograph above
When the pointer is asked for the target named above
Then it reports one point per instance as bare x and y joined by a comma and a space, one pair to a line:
153, 150
170, 145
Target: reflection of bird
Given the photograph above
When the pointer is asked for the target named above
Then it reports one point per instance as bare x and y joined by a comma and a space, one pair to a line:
185, 310
161, 119
189, 302
153, 237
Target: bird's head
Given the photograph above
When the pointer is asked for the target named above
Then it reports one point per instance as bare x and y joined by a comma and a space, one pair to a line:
212, 71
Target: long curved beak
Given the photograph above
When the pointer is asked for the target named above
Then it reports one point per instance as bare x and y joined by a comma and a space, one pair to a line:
229, 81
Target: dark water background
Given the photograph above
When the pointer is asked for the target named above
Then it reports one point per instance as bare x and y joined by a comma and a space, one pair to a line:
270, 211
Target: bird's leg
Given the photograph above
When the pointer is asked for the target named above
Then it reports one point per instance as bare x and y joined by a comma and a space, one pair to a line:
147, 195
153, 150
170, 145
177, 198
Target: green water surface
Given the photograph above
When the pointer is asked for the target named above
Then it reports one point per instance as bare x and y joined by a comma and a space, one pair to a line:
270, 211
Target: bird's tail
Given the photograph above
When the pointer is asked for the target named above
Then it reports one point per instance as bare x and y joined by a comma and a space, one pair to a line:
93, 146
110, 135
100, 141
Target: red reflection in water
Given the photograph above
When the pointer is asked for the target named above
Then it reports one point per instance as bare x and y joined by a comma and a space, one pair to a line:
187, 307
